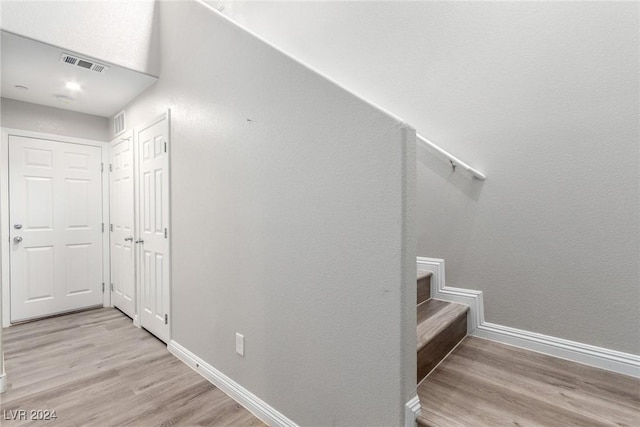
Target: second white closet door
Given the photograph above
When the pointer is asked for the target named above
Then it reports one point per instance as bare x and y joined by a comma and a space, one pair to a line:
153, 227
122, 225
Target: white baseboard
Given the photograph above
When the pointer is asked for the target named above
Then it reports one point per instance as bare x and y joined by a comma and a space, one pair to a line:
238, 393
439, 290
411, 412
611, 360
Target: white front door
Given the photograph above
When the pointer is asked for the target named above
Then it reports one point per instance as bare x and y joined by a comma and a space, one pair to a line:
55, 214
122, 225
153, 226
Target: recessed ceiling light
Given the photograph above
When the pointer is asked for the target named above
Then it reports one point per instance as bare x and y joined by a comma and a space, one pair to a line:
73, 86
65, 99
20, 87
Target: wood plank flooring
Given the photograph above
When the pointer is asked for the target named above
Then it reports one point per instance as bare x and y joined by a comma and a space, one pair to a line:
484, 383
95, 368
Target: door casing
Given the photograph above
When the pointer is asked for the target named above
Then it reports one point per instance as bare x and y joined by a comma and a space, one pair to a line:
4, 211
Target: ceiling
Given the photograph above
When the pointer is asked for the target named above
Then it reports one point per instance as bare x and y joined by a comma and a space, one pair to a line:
37, 66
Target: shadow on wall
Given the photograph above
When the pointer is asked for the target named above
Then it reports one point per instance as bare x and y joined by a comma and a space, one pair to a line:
447, 205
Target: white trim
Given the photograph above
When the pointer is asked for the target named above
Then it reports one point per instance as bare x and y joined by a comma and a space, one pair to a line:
411, 412
238, 393
4, 225
611, 360
439, 290
4, 209
106, 220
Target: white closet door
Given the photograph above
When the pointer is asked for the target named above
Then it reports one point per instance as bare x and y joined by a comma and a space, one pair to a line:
55, 214
153, 224
122, 225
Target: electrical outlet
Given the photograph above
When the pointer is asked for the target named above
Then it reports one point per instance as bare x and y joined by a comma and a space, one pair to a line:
240, 344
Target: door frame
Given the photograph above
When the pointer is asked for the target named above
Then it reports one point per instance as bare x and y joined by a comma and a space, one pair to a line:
4, 211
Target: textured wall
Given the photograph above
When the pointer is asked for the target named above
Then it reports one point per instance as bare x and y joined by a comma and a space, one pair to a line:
291, 203
541, 96
119, 32
38, 118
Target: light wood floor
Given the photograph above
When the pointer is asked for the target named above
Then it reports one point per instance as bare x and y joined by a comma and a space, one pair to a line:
96, 369
483, 383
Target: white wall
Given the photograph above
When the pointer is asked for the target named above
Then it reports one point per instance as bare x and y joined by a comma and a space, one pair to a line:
291, 223
119, 32
38, 118
541, 96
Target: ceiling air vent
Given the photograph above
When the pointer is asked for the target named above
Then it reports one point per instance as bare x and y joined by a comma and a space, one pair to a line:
118, 123
83, 63
69, 59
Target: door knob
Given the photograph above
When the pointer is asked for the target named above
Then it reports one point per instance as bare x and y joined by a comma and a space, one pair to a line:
17, 226
128, 239
17, 239
140, 241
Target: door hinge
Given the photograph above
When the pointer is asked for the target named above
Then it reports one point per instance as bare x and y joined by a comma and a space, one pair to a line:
110, 167
110, 227
166, 319
101, 167
112, 287
103, 227
165, 146
103, 287
165, 233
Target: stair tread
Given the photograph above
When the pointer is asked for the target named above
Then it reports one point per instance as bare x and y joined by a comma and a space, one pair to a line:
434, 316
423, 274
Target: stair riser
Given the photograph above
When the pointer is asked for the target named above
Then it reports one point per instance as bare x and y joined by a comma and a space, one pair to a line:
424, 289
436, 350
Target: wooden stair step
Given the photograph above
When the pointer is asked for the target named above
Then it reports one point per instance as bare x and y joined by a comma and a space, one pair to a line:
424, 286
441, 326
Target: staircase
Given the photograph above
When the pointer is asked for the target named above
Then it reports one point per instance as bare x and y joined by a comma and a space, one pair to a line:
441, 326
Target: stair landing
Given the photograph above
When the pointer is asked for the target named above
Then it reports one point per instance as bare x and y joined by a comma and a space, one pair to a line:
484, 383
